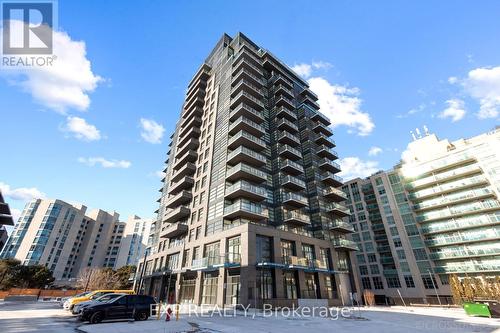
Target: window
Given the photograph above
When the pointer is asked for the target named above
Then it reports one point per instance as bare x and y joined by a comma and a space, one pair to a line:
209, 288
310, 281
366, 283
234, 249
360, 258
393, 281
428, 282
401, 254
308, 252
264, 250
366, 235
265, 284
377, 282
420, 254
372, 257
374, 269
409, 281
287, 250
363, 270
331, 287
290, 285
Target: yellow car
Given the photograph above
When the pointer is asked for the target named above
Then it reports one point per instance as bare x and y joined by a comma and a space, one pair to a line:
70, 303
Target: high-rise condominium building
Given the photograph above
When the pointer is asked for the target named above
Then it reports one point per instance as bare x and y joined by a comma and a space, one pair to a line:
249, 212
5, 214
134, 241
437, 213
66, 239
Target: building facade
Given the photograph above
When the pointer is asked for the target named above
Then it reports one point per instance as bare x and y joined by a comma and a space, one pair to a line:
249, 211
5, 214
65, 238
437, 213
133, 244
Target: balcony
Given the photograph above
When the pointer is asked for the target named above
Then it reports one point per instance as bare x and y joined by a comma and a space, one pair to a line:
191, 144
244, 97
340, 226
244, 171
293, 199
214, 262
291, 167
244, 74
192, 133
468, 222
195, 111
243, 138
328, 165
384, 249
337, 209
281, 79
330, 179
281, 89
244, 189
189, 156
195, 102
324, 151
321, 128
245, 111
334, 193
248, 54
284, 124
311, 102
283, 112
245, 63
197, 89
445, 176
190, 122
481, 235
306, 264
244, 154
292, 183
344, 244
244, 124
184, 183
460, 184
318, 116
247, 86
245, 209
469, 267
177, 214
324, 140
460, 210
296, 218
174, 230
289, 152
180, 198
284, 101
455, 198
187, 170
288, 139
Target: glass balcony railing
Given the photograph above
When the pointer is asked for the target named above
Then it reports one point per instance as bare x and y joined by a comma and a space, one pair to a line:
247, 73
243, 168
284, 123
290, 196
466, 251
216, 261
242, 134
442, 163
469, 267
246, 206
345, 243
458, 210
458, 172
286, 149
336, 207
294, 180
255, 101
473, 235
330, 177
296, 215
244, 121
332, 191
248, 187
286, 163
245, 110
462, 223
247, 86
455, 197
448, 187
241, 150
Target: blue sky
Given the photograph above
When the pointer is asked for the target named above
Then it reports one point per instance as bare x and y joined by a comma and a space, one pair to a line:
381, 69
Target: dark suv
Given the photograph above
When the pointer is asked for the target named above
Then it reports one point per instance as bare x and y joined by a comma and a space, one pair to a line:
136, 307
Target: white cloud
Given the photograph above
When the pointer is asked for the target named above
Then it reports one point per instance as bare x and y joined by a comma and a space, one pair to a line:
105, 163
21, 193
82, 130
321, 65
65, 84
152, 132
160, 174
353, 167
16, 213
374, 151
303, 70
455, 110
483, 85
342, 105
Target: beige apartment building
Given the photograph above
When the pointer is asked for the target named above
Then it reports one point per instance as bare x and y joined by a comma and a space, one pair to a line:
437, 213
249, 212
65, 238
134, 241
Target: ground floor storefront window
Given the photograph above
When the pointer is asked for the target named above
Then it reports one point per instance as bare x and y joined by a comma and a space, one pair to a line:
209, 290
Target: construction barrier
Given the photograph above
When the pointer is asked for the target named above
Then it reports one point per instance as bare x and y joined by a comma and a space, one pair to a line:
34, 294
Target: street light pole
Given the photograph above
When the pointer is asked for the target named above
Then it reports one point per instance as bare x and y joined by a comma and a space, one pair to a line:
435, 289
146, 253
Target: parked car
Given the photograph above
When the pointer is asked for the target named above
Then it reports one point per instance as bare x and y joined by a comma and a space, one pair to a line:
102, 299
68, 305
65, 300
137, 307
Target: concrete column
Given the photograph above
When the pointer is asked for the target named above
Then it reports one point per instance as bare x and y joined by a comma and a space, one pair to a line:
197, 288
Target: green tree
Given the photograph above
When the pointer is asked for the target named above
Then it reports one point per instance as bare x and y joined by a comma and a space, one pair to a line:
122, 275
33, 276
8, 269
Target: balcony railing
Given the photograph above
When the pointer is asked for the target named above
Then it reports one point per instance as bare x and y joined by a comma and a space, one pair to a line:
447, 175
246, 209
245, 154
336, 208
288, 125
291, 167
469, 208
292, 182
216, 261
461, 223
331, 179
343, 243
245, 138
289, 152
244, 171
295, 217
243, 123
454, 198
334, 192
448, 187
246, 189
244, 110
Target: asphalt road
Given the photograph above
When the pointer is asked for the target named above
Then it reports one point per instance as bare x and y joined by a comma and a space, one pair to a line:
35, 317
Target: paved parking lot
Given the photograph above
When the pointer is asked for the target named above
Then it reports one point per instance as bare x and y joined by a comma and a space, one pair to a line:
49, 317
